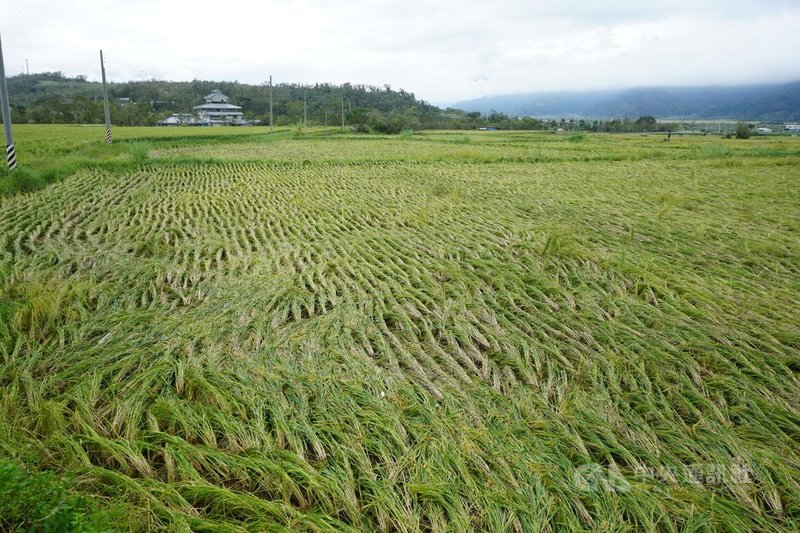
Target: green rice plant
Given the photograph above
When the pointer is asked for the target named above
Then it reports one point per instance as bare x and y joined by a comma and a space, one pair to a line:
139, 151
337, 332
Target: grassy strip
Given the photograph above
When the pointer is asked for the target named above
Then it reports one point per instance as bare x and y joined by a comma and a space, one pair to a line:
46, 158
42, 501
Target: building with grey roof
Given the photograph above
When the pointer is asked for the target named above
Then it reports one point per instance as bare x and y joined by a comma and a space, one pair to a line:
218, 112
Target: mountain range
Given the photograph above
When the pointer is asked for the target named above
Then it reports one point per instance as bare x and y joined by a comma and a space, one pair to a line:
764, 103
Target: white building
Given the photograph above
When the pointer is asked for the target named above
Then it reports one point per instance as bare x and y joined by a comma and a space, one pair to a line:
218, 112
793, 127
179, 119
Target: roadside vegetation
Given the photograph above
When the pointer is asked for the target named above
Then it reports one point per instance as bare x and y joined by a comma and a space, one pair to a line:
53, 98
438, 331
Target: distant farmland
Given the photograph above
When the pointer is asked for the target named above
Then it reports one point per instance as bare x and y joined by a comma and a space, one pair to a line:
483, 331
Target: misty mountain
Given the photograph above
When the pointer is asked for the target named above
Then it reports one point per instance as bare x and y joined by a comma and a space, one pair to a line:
766, 103
545, 104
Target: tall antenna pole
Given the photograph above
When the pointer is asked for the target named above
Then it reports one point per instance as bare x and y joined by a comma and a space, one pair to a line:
342, 113
11, 155
105, 100
305, 108
27, 67
270, 103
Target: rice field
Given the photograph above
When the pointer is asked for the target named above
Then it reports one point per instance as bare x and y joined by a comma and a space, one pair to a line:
481, 331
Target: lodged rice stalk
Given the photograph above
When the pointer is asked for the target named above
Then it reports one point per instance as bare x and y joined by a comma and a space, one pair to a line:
604, 338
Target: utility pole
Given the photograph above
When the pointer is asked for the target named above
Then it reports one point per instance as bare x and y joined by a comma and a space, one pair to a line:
342, 113
105, 100
324, 111
27, 67
270, 103
11, 155
305, 108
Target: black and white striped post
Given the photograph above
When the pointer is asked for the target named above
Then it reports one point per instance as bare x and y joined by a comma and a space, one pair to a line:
105, 100
11, 156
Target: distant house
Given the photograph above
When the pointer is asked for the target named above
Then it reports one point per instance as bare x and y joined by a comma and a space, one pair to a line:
763, 130
792, 127
179, 119
218, 112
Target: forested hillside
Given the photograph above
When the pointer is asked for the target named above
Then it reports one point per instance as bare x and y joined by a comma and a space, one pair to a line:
52, 97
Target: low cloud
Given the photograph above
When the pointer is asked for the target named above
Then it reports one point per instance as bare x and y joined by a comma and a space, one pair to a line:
443, 51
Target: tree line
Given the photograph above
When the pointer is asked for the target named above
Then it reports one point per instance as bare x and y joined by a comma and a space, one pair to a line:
54, 98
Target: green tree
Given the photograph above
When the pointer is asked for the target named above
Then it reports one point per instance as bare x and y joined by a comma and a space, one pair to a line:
646, 123
743, 130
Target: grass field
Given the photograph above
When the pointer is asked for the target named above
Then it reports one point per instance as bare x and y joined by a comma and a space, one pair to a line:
227, 330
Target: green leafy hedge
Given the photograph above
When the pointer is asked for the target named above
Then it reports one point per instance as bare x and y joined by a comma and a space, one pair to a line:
41, 502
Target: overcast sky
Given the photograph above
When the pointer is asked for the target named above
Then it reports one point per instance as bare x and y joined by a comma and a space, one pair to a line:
441, 50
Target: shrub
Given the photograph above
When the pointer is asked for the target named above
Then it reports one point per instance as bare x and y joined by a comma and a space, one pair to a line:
40, 502
743, 130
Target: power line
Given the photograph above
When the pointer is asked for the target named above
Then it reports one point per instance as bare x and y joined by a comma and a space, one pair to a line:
50, 32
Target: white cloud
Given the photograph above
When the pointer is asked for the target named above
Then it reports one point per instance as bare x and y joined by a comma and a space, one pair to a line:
443, 51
